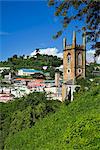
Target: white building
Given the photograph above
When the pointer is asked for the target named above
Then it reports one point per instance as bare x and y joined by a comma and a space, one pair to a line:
27, 72
4, 68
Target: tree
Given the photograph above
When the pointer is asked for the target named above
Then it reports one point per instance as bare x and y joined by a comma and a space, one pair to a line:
84, 10
97, 51
20, 120
37, 50
15, 56
97, 47
40, 110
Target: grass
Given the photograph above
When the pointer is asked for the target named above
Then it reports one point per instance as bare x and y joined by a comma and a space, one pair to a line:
73, 127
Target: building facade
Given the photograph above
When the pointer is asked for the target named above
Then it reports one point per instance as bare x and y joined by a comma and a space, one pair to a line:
27, 72
74, 62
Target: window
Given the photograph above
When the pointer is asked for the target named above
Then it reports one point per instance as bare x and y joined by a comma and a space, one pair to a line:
80, 59
68, 58
69, 70
79, 70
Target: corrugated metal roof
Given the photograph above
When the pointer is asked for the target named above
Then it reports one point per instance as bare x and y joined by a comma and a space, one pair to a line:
31, 70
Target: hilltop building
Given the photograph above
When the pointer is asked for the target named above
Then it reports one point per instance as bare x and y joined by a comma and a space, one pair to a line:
28, 72
74, 63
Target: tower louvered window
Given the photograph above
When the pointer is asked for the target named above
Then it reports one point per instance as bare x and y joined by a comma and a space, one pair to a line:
69, 58
79, 59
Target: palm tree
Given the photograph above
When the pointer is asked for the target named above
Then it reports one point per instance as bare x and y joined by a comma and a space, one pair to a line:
37, 50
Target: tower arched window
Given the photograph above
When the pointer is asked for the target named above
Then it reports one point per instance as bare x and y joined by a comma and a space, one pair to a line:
68, 58
79, 59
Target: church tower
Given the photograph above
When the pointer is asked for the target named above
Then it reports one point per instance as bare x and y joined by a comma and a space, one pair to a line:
69, 60
74, 61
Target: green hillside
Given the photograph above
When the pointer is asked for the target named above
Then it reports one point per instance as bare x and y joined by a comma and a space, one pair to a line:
37, 62
73, 127
23, 113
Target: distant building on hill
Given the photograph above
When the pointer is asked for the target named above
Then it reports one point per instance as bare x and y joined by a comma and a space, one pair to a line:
27, 72
4, 68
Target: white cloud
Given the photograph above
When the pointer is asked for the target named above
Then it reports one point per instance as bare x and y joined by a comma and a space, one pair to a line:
55, 52
98, 59
90, 56
47, 51
60, 55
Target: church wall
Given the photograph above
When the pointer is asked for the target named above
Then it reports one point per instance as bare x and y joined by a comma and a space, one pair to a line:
76, 68
79, 63
69, 68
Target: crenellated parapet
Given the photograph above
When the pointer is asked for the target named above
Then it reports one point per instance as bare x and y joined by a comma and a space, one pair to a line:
79, 47
74, 59
68, 47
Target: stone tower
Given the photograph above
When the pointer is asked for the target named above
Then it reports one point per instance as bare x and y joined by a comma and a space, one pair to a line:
74, 61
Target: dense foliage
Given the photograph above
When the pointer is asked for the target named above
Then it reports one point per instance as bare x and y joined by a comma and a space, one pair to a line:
75, 126
90, 68
86, 11
22, 113
36, 62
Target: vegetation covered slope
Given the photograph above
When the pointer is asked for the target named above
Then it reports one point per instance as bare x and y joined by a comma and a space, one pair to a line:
23, 113
36, 62
75, 126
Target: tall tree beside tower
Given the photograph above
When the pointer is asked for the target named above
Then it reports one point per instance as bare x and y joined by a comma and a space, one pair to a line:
84, 10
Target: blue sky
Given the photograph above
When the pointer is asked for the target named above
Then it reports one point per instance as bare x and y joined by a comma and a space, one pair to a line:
27, 25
